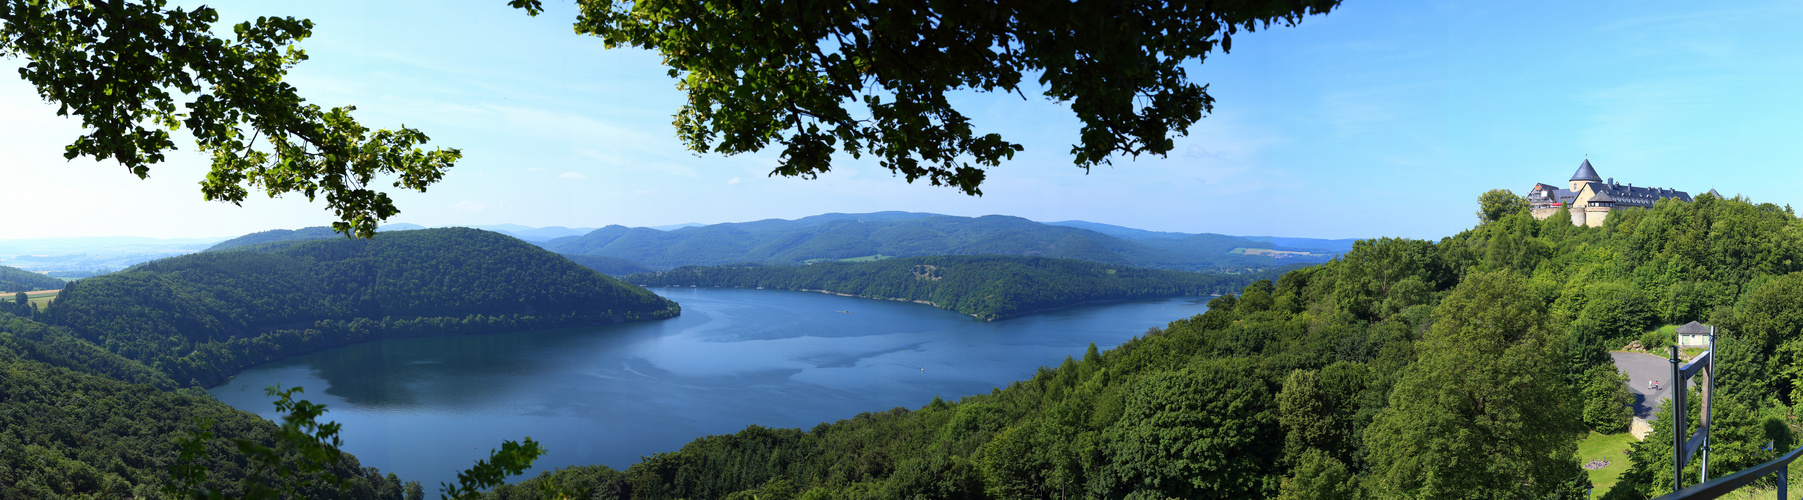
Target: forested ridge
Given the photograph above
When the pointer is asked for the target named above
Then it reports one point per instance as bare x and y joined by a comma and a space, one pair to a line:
611, 266
1467, 367
263, 238
201, 317
77, 421
903, 234
988, 287
13, 279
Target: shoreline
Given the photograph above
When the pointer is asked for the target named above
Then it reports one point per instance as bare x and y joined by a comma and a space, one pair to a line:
976, 316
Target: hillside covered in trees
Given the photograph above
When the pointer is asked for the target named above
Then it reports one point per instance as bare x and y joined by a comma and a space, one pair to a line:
262, 238
13, 279
77, 421
611, 266
1468, 368
906, 234
201, 317
988, 287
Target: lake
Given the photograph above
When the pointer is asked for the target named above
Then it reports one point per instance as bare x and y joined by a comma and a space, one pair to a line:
426, 408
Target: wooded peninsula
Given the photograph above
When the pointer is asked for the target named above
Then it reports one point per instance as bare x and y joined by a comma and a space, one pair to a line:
988, 287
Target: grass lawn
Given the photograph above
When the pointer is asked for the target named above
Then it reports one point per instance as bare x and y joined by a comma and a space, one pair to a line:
1608, 447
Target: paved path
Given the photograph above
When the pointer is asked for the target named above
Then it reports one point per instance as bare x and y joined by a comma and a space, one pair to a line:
1641, 368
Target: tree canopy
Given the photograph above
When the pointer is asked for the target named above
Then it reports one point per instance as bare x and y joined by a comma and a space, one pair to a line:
860, 78
13, 279
795, 73
1495, 204
135, 71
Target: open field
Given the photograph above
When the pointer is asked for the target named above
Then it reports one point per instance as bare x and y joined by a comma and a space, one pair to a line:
866, 258
41, 297
1607, 447
1275, 254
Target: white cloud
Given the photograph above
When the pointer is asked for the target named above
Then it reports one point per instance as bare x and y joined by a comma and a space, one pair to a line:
571, 175
734, 180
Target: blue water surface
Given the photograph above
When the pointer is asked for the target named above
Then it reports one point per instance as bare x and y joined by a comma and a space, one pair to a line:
425, 408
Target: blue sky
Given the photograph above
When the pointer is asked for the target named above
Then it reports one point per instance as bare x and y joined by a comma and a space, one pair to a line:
1380, 119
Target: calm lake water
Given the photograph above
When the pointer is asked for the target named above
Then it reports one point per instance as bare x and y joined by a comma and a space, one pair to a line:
425, 408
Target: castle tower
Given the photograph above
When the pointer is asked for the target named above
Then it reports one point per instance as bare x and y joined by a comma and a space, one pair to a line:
1597, 209
1585, 174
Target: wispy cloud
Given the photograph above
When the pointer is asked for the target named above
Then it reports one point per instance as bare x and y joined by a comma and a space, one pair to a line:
734, 180
571, 175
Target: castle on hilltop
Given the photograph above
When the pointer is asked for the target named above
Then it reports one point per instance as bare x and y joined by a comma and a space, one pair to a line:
1590, 198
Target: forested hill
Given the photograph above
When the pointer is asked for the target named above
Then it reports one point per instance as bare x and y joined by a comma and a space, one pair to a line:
989, 287
1464, 368
13, 279
901, 234
264, 238
611, 266
79, 422
203, 316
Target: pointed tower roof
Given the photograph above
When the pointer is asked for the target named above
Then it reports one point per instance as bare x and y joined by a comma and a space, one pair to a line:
1586, 173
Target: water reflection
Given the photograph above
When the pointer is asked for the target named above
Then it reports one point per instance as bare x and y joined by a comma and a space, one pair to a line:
427, 407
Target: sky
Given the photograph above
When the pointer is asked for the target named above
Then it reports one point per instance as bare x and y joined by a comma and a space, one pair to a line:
1383, 118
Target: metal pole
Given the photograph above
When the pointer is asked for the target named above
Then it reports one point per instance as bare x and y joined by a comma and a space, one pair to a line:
1709, 406
1677, 424
1784, 483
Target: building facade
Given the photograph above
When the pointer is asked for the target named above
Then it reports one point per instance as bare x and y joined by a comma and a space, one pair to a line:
1589, 198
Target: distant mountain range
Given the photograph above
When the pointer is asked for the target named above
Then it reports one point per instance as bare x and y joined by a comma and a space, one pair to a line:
880, 235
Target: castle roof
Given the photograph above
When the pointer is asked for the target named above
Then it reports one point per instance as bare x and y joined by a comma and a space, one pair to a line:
1602, 197
1628, 195
1586, 173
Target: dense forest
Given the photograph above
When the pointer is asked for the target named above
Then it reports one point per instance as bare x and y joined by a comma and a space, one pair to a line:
13, 279
904, 234
264, 238
200, 317
988, 287
611, 266
79, 422
1466, 368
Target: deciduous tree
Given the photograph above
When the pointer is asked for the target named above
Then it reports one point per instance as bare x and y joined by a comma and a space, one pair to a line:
135, 71
795, 73
1485, 412
1495, 204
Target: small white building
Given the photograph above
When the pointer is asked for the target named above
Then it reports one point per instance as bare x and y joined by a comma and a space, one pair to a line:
1693, 334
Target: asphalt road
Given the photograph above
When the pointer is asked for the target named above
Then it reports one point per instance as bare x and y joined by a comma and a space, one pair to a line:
1642, 368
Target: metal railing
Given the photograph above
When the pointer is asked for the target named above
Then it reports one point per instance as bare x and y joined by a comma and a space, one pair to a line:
1684, 450
1723, 485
